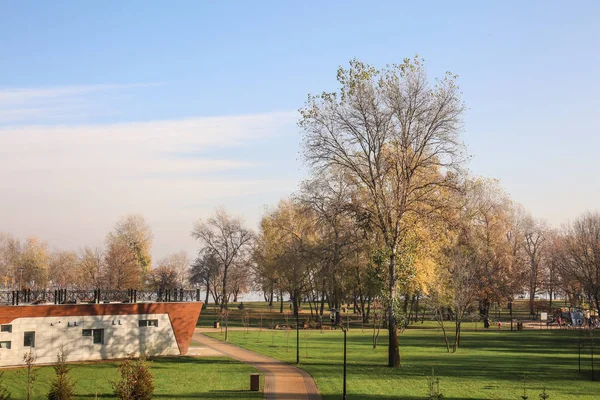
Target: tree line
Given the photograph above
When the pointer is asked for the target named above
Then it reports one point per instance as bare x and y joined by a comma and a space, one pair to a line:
124, 262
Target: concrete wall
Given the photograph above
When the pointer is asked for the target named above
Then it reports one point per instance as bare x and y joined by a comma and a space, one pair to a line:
122, 336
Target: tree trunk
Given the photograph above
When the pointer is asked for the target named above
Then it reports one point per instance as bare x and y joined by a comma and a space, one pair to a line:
281, 302
225, 298
417, 308
531, 301
393, 347
457, 336
206, 297
271, 297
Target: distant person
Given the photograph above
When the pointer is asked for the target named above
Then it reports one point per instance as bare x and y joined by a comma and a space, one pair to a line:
559, 323
499, 325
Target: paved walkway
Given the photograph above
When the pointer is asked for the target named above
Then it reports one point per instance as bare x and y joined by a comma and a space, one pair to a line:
282, 381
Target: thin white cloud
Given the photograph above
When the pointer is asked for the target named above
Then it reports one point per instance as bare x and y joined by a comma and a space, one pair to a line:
22, 96
18, 105
69, 184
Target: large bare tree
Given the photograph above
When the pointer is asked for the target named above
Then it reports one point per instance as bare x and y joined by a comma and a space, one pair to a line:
390, 129
579, 255
535, 235
229, 240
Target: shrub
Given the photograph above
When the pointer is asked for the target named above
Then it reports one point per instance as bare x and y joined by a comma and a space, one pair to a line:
137, 381
62, 387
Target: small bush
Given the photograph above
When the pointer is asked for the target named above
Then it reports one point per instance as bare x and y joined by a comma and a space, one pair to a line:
434, 387
62, 388
137, 381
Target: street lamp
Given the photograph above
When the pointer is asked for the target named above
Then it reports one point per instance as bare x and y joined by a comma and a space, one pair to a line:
336, 319
297, 310
345, 330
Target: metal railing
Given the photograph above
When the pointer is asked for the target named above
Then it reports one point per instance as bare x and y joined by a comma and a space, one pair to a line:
96, 296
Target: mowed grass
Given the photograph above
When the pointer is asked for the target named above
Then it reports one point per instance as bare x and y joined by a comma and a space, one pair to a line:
175, 378
489, 365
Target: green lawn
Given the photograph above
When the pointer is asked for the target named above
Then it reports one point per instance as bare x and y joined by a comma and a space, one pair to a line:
489, 365
175, 378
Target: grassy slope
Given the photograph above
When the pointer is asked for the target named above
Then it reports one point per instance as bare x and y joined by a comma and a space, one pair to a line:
489, 365
175, 378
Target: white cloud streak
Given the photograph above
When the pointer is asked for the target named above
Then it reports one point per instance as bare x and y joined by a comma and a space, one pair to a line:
19, 105
69, 184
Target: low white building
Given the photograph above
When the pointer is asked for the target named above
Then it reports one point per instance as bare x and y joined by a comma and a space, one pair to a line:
95, 331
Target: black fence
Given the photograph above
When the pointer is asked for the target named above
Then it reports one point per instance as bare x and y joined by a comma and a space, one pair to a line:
96, 296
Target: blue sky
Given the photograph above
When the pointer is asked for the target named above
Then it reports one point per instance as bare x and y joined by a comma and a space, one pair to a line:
173, 108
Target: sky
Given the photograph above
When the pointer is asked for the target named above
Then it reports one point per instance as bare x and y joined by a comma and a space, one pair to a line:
171, 109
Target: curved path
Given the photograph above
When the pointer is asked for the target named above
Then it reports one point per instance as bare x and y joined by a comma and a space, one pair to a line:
282, 381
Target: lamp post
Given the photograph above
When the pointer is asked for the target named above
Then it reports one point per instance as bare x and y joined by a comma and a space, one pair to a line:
345, 330
297, 310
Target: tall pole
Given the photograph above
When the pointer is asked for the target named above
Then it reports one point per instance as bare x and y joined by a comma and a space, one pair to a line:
592, 352
579, 355
345, 331
296, 305
226, 317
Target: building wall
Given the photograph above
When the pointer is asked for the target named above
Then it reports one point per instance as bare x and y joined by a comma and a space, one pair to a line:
55, 325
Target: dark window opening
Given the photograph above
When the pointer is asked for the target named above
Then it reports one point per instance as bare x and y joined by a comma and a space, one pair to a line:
29, 339
98, 336
5, 345
6, 328
148, 322
86, 332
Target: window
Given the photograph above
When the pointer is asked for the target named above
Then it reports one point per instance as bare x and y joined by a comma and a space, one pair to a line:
148, 322
29, 339
98, 336
6, 328
4, 345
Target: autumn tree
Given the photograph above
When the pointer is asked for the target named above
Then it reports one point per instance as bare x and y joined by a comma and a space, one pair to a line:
9, 253
122, 269
264, 266
289, 231
387, 129
64, 271
133, 232
92, 267
34, 259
